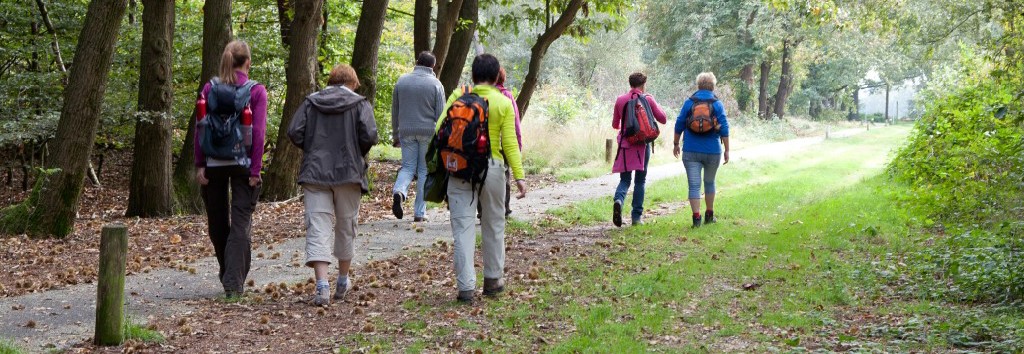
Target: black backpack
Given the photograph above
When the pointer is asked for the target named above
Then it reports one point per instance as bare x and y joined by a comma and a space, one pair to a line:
463, 142
221, 132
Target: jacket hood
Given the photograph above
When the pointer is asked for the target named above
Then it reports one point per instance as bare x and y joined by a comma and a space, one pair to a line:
335, 99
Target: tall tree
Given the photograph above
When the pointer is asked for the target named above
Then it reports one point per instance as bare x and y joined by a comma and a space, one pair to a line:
216, 35
458, 50
762, 94
786, 77
51, 209
367, 44
421, 26
301, 78
283, 6
448, 17
544, 41
150, 187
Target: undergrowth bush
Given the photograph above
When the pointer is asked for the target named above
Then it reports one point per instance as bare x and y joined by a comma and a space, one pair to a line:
964, 167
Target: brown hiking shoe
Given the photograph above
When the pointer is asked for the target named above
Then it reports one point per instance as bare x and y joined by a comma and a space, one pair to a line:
493, 287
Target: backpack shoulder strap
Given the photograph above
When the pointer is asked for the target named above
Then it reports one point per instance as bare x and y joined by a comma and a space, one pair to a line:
244, 93
467, 89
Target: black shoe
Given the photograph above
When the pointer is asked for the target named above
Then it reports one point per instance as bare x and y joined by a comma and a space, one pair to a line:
709, 218
493, 287
465, 296
617, 213
420, 219
696, 221
396, 205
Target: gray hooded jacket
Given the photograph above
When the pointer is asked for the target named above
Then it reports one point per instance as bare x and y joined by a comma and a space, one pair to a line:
335, 129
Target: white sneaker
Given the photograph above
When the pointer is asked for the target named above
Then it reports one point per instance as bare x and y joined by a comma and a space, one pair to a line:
342, 290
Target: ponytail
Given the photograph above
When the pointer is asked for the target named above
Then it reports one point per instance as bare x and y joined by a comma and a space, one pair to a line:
236, 53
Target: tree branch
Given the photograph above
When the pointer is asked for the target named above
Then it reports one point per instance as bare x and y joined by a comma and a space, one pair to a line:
49, 27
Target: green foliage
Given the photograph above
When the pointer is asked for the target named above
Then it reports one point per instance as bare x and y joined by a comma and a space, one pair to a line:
8, 347
965, 160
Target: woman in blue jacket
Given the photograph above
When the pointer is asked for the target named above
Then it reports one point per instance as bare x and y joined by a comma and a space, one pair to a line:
701, 150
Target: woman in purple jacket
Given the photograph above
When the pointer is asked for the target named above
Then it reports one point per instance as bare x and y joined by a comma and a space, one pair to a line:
632, 158
230, 221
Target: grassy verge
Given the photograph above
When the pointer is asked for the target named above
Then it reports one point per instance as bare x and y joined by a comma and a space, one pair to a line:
8, 347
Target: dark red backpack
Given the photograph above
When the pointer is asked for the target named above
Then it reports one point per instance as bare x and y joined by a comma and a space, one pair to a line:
639, 126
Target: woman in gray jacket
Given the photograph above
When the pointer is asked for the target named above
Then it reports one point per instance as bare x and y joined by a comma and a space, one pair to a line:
335, 129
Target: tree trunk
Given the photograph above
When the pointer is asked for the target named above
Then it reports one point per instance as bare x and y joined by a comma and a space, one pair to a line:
52, 211
855, 110
785, 81
887, 89
540, 48
745, 93
150, 191
448, 13
367, 43
461, 41
286, 23
421, 27
216, 35
301, 79
762, 95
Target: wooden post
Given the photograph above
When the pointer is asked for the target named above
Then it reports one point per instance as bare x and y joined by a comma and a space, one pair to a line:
827, 128
110, 289
608, 146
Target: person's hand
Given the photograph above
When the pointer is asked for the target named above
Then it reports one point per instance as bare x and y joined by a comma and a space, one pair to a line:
522, 189
675, 150
201, 176
255, 181
725, 156
396, 143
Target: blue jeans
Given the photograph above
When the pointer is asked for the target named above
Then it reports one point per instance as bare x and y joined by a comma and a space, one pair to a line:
694, 162
638, 187
414, 153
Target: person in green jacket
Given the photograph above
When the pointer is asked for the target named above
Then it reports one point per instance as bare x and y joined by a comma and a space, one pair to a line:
463, 198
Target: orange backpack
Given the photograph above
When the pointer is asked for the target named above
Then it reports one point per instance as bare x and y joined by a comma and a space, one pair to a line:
703, 119
463, 141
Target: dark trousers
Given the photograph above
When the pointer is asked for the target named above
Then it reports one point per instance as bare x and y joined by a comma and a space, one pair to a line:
231, 229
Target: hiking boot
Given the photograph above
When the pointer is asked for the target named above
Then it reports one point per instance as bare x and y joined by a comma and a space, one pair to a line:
420, 219
709, 218
396, 205
342, 289
696, 221
493, 287
465, 296
617, 213
322, 296
638, 221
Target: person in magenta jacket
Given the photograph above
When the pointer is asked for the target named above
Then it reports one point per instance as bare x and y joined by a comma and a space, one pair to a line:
500, 85
230, 222
632, 159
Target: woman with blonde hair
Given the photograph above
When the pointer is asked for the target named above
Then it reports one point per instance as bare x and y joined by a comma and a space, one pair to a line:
702, 124
228, 152
335, 130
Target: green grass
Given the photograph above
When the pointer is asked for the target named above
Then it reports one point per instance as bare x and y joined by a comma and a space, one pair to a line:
8, 347
134, 331
793, 234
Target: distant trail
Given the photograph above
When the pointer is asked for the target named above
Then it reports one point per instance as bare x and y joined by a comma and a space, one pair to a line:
65, 317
